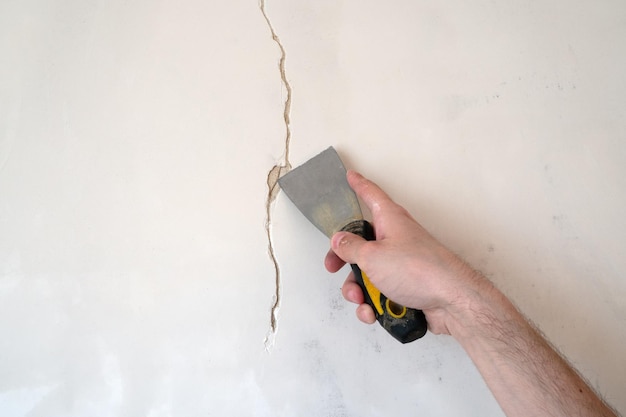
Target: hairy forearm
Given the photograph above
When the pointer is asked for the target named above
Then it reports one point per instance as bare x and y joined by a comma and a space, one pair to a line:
526, 375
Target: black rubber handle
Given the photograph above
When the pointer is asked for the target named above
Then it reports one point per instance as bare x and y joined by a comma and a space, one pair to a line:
405, 324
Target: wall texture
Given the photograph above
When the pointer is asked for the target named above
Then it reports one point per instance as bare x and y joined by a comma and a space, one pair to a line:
136, 224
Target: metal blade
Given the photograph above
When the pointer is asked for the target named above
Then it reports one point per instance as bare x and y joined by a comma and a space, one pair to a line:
321, 192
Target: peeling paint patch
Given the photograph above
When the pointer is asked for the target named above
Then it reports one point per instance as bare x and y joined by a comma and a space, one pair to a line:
278, 170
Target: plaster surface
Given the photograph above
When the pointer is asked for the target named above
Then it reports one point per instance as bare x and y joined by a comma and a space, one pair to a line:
136, 140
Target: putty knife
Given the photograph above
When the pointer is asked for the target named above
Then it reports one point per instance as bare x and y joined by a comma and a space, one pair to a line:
320, 190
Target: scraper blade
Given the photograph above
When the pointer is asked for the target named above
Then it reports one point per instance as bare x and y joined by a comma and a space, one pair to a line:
321, 192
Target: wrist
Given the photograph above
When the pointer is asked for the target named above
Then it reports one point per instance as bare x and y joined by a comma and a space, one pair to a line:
476, 307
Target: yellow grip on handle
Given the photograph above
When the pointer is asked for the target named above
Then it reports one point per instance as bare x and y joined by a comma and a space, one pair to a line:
404, 324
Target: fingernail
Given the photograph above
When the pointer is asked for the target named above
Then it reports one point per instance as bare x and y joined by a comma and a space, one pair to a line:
355, 174
338, 239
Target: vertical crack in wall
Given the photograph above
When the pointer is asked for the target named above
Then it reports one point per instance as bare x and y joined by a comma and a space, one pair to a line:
278, 170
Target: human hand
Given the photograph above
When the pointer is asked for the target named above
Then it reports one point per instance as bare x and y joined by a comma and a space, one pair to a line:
405, 262
409, 266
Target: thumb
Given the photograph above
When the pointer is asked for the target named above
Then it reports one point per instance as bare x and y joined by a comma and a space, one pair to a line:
347, 246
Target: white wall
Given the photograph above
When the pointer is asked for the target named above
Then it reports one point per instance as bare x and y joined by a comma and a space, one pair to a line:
135, 140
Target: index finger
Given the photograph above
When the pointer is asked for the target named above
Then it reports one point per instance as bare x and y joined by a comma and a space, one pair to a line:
371, 194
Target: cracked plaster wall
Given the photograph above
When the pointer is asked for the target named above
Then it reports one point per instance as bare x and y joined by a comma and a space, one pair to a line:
135, 144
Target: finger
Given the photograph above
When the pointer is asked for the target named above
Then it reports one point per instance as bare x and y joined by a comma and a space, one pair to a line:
347, 246
371, 194
351, 291
332, 262
365, 313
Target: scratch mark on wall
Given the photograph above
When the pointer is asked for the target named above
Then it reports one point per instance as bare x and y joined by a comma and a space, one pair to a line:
278, 170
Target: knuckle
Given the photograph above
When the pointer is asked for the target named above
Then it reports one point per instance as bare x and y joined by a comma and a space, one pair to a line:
365, 255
